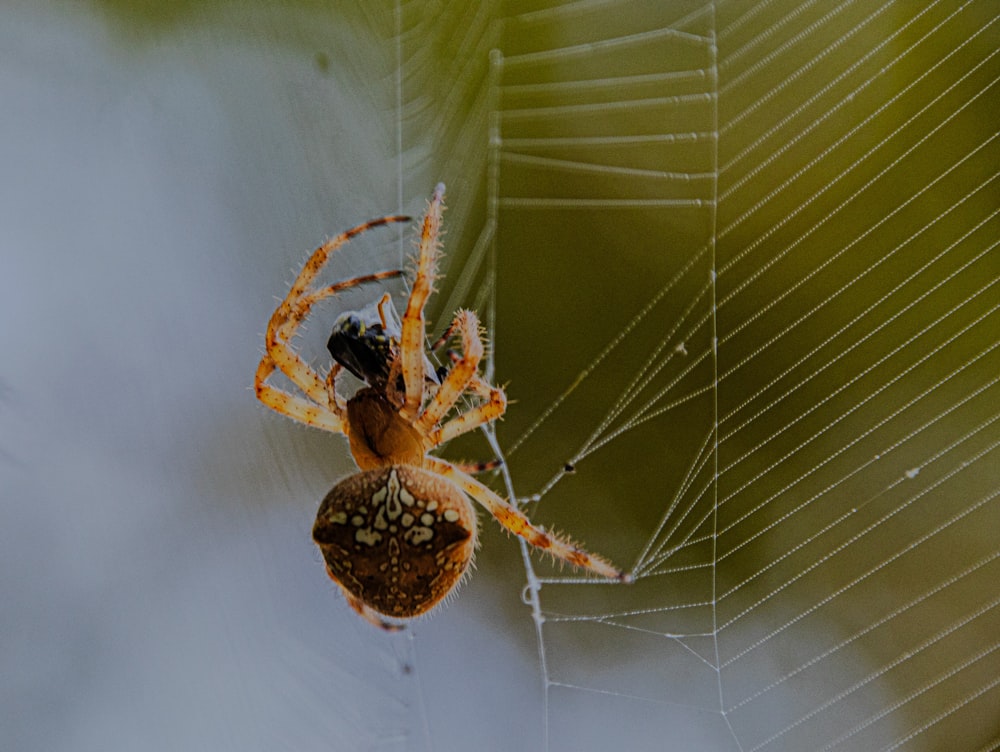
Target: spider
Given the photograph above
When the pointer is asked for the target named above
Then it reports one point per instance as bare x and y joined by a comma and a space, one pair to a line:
398, 536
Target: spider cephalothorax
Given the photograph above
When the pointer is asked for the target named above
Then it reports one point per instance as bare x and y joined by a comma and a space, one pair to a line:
398, 536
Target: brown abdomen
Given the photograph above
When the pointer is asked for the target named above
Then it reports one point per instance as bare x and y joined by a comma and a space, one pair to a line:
399, 538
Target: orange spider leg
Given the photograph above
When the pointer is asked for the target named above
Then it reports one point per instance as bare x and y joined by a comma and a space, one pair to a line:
296, 314
477, 467
321, 255
480, 387
467, 421
445, 336
516, 522
285, 330
288, 317
285, 323
295, 407
412, 338
477, 384
459, 376
305, 378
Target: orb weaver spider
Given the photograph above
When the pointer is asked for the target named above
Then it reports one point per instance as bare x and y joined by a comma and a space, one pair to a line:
399, 535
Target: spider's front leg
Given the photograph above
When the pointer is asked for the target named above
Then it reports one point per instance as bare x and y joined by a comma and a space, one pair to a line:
290, 315
516, 522
460, 378
411, 343
295, 407
316, 408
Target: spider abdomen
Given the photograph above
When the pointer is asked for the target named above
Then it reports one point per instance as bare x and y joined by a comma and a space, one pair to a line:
398, 538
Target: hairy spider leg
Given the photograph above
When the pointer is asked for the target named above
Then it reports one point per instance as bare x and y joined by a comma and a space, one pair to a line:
477, 384
411, 344
445, 336
293, 406
460, 374
460, 378
280, 333
481, 388
471, 419
315, 263
286, 328
477, 467
283, 324
516, 522
286, 360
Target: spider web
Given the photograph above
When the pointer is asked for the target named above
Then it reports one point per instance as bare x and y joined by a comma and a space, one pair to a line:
739, 265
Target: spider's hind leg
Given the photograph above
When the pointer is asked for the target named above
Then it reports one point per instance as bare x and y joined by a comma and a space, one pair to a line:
474, 468
516, 522
295, 407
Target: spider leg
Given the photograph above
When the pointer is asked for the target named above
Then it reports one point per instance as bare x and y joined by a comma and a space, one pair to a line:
445, 336
412, 338
479, 386
516, 522
288, 318
477, 383
322, 254
472, 468
467, 421
461, 377
295, 407
284, 323
280, 356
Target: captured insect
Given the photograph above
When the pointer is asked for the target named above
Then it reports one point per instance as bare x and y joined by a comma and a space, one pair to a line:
399, 535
